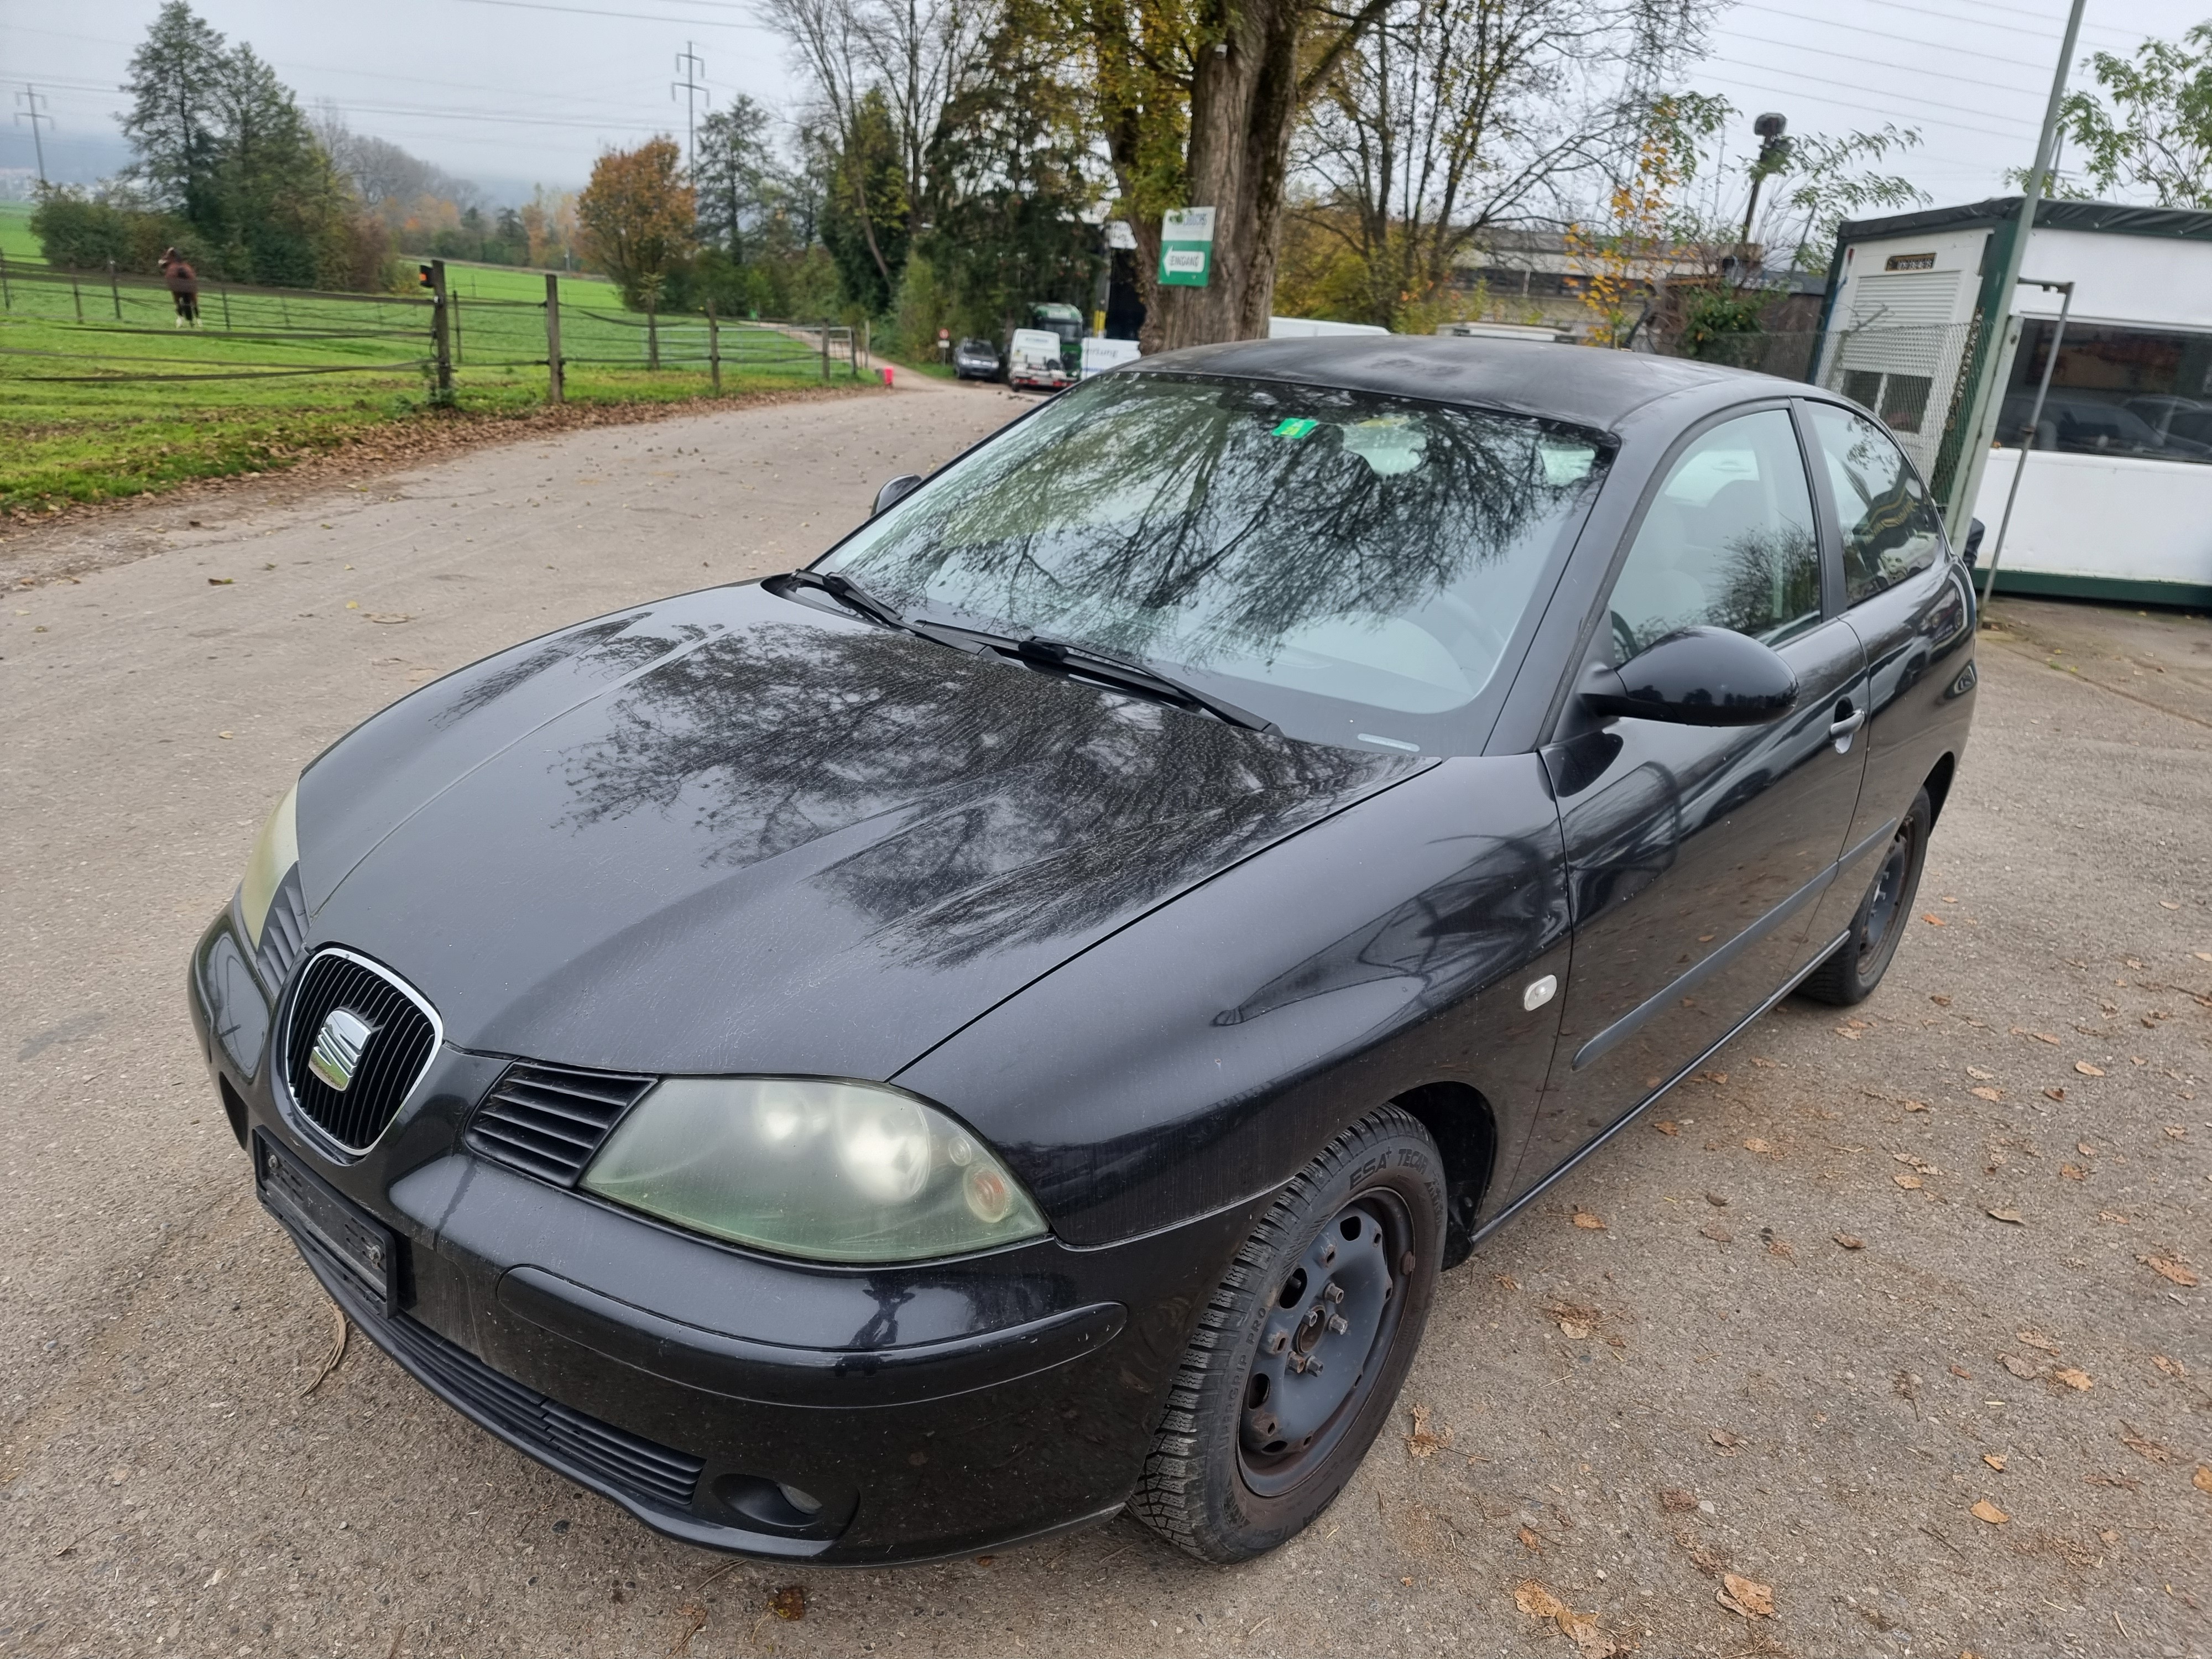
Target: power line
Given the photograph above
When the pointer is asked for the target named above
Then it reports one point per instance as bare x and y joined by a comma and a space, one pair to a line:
1708, 72
1888, 39
1852, 58
1930, 12
631, 16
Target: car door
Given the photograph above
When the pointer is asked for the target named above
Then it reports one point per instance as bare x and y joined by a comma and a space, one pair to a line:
1696, 855
1910, 606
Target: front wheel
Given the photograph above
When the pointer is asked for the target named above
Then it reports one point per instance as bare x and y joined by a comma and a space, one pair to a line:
1297, 1360
1858, 963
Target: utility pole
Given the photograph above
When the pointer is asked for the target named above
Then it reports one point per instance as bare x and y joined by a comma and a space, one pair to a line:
1773, 155
693, 68
31, 98
1981, 427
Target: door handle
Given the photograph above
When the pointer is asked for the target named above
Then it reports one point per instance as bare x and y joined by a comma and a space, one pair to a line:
1847, 720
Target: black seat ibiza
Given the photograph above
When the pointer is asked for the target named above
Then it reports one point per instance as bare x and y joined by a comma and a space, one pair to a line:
1011, 1021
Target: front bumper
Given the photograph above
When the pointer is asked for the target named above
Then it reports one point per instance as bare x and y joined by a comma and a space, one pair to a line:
931, 1410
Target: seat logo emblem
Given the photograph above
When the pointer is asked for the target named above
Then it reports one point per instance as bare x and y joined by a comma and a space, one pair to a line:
337, 1048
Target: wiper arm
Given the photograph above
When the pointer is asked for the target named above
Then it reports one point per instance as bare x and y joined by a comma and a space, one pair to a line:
849, 593
1101, 665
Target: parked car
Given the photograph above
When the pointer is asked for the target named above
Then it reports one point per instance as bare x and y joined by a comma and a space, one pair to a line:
1012, 1021
976, 360
1033, 361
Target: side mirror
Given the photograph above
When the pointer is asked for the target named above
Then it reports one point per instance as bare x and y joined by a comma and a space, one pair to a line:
898, 491
1699, 676
1972, 550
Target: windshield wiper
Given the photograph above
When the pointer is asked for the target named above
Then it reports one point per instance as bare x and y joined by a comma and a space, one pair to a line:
1093, 663
849, 593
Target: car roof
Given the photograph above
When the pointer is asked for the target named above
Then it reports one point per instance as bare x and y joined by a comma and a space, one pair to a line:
1582, 385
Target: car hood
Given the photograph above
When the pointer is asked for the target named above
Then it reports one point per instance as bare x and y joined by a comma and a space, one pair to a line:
731, 832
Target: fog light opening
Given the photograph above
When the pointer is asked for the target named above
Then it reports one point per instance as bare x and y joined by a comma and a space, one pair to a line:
769, 1505
805, 1502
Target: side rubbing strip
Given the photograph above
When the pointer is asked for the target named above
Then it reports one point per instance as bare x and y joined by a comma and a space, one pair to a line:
1683, 983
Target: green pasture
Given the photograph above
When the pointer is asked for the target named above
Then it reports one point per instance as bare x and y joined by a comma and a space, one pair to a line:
101, 395
17, 242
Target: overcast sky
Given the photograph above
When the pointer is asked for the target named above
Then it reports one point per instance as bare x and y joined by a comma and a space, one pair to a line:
513, 92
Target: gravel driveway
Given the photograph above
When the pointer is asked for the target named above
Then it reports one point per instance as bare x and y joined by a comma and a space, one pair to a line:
1892, 1338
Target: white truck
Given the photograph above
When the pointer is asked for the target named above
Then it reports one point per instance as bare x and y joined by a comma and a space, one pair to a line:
1033, 359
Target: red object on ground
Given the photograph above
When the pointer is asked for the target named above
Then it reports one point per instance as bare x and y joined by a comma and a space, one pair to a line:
887, 376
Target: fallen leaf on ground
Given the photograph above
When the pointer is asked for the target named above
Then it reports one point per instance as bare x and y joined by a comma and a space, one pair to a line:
1726, 1441
789, 1602
386, 617
2168, 904
2078, 1381
2036, 1339
2202, 1479
2176, 1132
1574, 1330
1850, 1241
1907, 1181
1985, 1092
1755, 1144
1939, 999
1581, 1628
1916, 1105
1977, 1071
2040, 1037
2166, 1268
2011, 1216
1583, 1218
1666, 1126
1994, 1461
2073, 1172
2173, 1368
1780, 1246
2088, 1070
1934, 920
2134, 1441
1746, 1596
2084, 1149
1424, 1442
1985, 1510
2054, 1094
2112, 1215
1530, 1542
1718, 1234
1677, 1501
1960, 1371
221, 582
2016, 1365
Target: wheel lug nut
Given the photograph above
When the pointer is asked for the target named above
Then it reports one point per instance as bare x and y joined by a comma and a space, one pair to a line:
1336, 1324
1334, 1292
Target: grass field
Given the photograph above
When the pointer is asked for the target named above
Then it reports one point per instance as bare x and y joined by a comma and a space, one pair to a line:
101, 395
17, 242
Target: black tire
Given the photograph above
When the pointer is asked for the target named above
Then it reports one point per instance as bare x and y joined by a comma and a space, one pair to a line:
1222, 1482
1857, 967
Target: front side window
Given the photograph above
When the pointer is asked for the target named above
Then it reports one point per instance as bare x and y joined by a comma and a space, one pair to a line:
1348, 564
1727, 542
1891, 529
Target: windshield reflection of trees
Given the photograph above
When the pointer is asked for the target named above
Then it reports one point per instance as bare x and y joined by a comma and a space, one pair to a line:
1160, 518
1026, 806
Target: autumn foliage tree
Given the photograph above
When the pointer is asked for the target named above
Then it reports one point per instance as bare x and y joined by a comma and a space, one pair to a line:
637, 216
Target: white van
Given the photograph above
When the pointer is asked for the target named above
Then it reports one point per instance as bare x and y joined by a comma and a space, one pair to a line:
1033, 360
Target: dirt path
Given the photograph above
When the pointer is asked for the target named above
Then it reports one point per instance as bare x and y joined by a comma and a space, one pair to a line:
1711, 1384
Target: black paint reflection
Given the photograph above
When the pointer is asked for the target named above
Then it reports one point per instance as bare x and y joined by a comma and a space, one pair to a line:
607, 644
1019, 806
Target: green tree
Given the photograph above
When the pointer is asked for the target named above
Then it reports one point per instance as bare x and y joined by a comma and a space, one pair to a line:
737, 179
2151, 128
278, 210
1011, 178
174, 123
865, 211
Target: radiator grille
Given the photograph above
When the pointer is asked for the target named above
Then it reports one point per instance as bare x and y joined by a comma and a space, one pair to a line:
547, 1120
402, 1039
282, 932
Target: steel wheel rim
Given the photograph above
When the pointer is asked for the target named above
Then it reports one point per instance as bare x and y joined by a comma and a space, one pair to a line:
1886, 902
1319, 1354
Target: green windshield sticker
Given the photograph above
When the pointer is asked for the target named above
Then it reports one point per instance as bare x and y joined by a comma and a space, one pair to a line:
1295, 428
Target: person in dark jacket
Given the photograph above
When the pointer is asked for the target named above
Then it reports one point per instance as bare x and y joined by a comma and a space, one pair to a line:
183, 288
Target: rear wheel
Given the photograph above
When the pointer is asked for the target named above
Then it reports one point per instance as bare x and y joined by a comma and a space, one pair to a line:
1850, 974
1297, 1360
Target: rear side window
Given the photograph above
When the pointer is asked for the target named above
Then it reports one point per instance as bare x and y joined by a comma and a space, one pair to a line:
1727, 542
1890, 527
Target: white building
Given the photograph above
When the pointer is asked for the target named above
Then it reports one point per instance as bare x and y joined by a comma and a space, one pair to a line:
2116, 502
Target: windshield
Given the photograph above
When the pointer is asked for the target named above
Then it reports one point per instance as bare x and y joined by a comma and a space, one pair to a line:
1348, 565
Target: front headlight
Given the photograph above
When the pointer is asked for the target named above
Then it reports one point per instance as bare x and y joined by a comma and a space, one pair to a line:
276, 850
833, 1171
